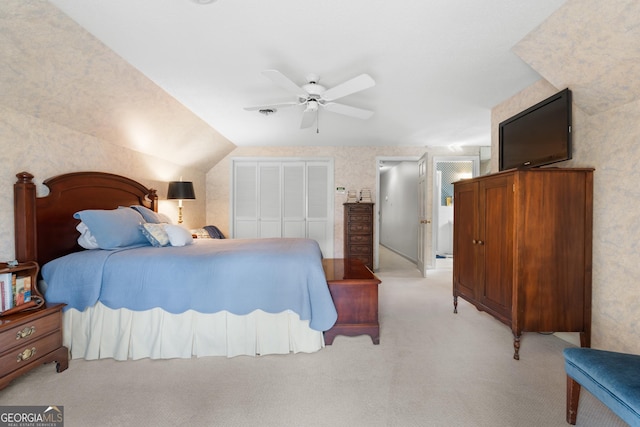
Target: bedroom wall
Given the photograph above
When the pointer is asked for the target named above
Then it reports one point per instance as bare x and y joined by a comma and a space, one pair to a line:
354, 168
47, 149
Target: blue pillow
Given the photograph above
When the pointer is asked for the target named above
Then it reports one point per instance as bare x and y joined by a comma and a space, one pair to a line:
148, 214
116, 228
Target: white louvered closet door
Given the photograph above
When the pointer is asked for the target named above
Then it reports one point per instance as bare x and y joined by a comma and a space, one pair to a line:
294, 194
319, 224
284, 199
245, 191
269, 200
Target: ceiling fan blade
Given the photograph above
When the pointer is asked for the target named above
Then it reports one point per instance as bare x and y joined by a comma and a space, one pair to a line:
308, 119
272, 106
347, 110
356, 84
285, 83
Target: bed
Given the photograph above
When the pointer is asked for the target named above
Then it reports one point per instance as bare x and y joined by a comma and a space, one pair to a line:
159, 300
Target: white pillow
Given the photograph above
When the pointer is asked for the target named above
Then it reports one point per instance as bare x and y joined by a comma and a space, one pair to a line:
178, 235
86, 239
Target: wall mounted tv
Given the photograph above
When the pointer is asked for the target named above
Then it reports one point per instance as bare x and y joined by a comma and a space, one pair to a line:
540, 135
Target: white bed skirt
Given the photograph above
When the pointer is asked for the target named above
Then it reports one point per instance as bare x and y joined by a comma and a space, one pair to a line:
100, 332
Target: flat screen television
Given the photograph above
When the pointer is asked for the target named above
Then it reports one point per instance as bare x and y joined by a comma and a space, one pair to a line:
539, 135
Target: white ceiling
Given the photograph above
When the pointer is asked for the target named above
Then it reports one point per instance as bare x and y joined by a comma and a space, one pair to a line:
439, 66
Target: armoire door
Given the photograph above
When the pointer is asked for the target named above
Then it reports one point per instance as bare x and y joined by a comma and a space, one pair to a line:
465, 248
495, 244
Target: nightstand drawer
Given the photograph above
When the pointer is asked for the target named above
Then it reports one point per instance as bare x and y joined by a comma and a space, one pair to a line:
25, 332
28, 352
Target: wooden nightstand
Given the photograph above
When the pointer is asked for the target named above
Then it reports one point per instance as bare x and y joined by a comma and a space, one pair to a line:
354, 289
32, 337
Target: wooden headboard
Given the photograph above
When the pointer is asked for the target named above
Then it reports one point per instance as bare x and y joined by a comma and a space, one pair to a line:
44, 226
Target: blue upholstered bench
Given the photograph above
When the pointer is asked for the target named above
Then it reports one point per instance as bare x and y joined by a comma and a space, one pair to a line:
613, 378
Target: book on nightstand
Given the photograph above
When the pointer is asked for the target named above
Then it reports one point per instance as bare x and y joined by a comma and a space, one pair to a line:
6, 291
22, 292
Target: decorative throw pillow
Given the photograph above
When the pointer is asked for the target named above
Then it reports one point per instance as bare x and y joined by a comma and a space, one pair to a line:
116, 228
155, 234
178, 235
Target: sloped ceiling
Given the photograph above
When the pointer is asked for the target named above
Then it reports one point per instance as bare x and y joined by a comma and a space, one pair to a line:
440, 66
592, 47
53, 69
171, 77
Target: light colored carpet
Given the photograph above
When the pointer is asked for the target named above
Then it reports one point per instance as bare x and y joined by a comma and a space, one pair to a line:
432, 368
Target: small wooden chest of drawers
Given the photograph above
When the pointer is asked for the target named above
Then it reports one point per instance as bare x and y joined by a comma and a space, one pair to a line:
29, 339
358, 232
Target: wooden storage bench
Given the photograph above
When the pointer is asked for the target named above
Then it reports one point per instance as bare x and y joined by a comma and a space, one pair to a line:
354, 289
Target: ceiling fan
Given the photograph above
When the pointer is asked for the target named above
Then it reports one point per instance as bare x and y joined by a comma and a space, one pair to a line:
314, 96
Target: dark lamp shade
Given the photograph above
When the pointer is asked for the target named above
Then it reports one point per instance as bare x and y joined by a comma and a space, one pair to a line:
181, 190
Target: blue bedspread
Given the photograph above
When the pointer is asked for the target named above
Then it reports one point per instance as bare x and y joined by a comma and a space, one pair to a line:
237, 275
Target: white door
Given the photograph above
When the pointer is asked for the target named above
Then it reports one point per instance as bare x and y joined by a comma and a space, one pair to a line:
424, 221
319, 206
294, 194
269, 200
245, 194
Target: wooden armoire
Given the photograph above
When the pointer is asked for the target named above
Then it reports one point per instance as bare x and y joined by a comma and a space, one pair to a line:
522, 249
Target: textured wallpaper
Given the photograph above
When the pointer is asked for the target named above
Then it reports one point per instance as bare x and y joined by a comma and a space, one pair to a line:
593, 48
45, 149
52, 69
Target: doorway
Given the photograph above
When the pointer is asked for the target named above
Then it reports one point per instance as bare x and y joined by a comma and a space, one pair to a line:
446, 171
396, 211
408, 222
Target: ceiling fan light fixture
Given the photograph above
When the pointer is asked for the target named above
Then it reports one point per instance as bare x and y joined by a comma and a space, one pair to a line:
312, 105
